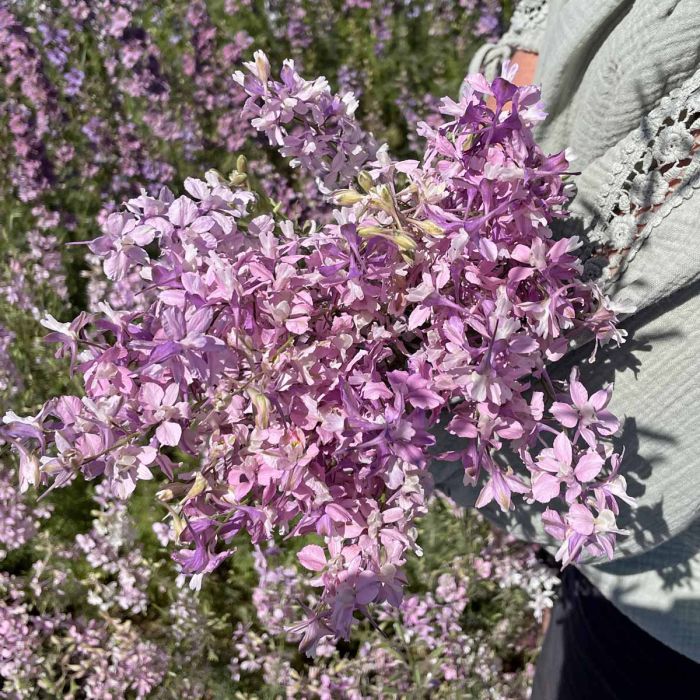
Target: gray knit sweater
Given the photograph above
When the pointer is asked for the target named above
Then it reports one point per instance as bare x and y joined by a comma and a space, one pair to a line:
621, 82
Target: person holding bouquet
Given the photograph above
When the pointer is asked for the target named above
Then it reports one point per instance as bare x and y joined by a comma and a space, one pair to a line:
621, 83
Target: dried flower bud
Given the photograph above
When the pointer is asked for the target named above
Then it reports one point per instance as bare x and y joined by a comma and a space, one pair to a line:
236, 178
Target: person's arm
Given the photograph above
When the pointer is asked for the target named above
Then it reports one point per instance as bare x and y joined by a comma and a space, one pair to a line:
527, 65
527, 62
520, 43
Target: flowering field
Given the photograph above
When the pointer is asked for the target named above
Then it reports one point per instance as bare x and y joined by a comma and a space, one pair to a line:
100, 100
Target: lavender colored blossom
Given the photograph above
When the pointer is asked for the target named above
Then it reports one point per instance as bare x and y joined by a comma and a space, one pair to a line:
305, 370
120, 575
101, 659
424, 647
309, 124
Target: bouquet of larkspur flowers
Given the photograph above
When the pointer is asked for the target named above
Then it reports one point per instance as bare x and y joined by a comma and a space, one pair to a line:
284, 380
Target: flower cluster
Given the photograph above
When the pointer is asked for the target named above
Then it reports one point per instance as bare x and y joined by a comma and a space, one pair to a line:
35, 266
47, 647
30, 168
287, 382
72, 619
101, 97
422, 647
120, 575
118, 117
59, 637
309, 124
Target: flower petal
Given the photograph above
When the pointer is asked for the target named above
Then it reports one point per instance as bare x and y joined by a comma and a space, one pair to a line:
589, 466
312, 557
545, 487
169, 433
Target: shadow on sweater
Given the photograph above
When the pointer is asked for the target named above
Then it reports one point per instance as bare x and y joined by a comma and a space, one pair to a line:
647, 523
671, 563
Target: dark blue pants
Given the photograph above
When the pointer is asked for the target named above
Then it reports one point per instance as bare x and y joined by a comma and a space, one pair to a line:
594, 652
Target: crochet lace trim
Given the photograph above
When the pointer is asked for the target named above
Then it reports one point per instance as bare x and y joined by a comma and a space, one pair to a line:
656, 168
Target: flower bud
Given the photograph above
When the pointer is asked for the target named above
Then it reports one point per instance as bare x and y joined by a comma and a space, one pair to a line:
385, 195
367, 231
364, 179
346, 198
236, 178
261, 404
262, 65
200, 483
404, 242
428, 227
242, 164
468, 142
178, 525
